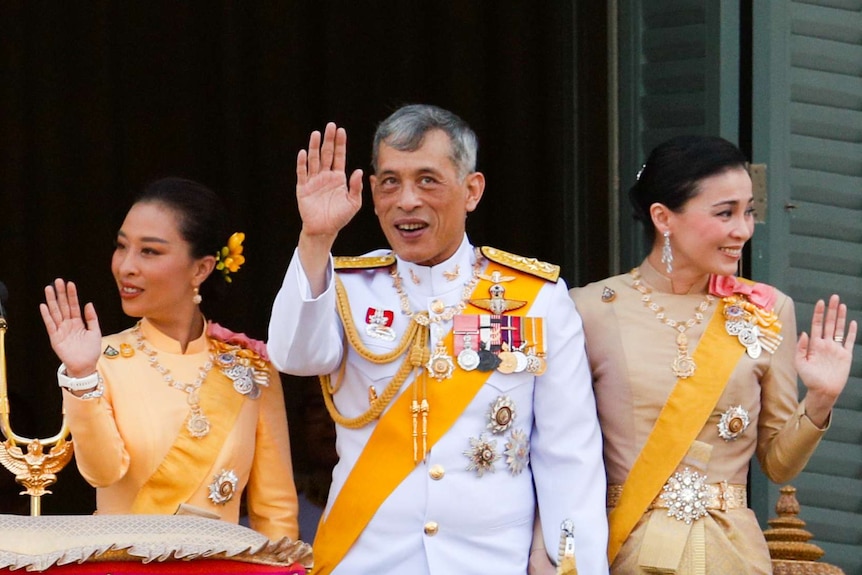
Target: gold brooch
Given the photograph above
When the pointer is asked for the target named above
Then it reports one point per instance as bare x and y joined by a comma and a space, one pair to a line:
733, 423
482, 454
223, 487
502, 415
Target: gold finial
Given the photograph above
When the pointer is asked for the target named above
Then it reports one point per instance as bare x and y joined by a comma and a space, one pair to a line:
788, 544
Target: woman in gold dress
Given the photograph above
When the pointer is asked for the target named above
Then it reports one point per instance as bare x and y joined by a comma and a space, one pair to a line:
695, 371
174, 414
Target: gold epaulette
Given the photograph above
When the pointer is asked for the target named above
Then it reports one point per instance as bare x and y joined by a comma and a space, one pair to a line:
363, 262
531, 266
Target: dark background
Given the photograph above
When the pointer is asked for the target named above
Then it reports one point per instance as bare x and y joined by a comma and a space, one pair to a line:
98, 98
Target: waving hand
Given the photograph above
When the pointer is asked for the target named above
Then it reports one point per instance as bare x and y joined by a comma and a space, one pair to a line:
823, 359
75, 340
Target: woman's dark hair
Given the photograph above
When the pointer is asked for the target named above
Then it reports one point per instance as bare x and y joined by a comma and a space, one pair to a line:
674, 169
200, 214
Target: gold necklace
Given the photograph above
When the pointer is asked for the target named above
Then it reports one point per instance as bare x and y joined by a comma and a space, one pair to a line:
683, 365
197, 424
440, 364
422, 318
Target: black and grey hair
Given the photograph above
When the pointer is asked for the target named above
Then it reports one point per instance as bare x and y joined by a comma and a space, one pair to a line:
405, 131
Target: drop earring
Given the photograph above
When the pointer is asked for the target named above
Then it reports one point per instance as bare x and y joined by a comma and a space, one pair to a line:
667, 252
197, 299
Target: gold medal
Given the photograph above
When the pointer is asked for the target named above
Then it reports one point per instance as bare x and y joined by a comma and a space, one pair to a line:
508, 362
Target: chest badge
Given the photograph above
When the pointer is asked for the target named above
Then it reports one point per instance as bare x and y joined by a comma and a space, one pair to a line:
733, 423
378, 323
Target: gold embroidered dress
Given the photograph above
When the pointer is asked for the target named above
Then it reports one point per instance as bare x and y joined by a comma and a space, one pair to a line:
630, 353
122, 438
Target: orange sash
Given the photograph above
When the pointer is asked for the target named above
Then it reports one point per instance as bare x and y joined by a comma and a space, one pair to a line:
388, 458
189, 460
681, 419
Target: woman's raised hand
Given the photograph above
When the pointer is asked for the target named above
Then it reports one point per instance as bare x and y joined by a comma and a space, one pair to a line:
823, 358
75, 340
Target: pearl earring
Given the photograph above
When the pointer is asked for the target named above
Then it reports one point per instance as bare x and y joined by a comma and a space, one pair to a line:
197, 299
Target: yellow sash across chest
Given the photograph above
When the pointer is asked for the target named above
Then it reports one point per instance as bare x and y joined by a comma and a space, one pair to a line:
189, 460
681, 419
388, 457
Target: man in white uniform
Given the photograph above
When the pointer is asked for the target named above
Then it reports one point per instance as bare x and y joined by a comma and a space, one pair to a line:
457, 376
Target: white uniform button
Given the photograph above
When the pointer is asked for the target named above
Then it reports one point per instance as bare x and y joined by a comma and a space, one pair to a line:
437, 306
437, 472
431, 528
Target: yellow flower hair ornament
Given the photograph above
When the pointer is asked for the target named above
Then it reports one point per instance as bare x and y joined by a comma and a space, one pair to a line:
230, 258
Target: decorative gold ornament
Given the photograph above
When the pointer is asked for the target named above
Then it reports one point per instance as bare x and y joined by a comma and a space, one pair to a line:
755, 328
451, 276
683, 365
502, 415
482, 454
223, 487
440, 365
197, 423
733, 423
35, 470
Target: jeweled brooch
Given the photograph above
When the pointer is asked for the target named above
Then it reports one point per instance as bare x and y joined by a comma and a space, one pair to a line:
482, 454
686, 495
223, 487
517, 451
246, 378
733, 423
502, 415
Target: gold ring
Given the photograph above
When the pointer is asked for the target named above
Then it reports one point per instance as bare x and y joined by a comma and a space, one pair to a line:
839, 338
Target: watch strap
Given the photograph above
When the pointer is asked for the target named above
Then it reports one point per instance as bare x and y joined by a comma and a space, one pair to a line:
77, 383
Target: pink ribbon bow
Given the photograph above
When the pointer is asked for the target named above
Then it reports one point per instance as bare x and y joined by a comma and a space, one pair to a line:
220, 333
761, 295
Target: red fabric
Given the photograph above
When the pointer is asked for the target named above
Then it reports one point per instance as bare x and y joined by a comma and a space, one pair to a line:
761, 295
221, 333
196, 567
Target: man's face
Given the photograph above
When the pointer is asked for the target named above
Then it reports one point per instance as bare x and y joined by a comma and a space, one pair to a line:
421, 202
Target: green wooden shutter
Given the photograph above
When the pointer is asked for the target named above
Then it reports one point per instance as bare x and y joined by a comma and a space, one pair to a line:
807, 126
678, 74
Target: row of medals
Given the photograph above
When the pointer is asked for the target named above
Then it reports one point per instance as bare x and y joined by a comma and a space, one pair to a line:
507, 361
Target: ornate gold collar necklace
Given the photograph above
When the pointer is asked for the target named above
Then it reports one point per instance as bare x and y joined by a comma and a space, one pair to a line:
683, 365
197, 423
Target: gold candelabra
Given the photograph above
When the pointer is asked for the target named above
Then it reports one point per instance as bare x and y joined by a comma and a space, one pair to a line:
33, 468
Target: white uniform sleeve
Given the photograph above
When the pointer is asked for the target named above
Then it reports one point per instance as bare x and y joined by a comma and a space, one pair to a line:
566, 446
305, 334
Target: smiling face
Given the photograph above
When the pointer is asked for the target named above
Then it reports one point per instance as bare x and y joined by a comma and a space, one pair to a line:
708, 233
153, 266
421, 202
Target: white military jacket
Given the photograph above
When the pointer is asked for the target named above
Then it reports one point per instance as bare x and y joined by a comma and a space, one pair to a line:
446, 517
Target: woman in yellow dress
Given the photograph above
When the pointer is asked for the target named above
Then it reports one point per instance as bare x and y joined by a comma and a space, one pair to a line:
695, 371
174, 414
